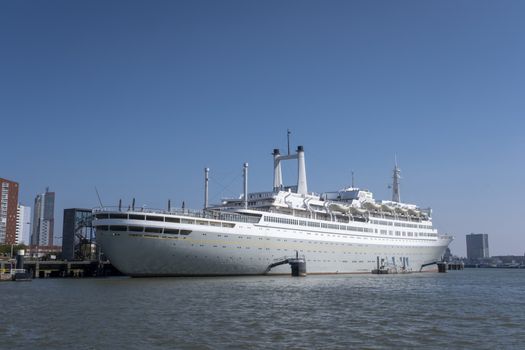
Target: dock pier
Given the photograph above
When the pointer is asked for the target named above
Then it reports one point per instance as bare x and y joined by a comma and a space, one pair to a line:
77, 269
456, 266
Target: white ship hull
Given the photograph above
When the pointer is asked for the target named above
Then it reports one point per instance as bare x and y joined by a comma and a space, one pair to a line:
248, 249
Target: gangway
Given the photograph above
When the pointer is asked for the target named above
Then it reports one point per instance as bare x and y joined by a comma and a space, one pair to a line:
297, 264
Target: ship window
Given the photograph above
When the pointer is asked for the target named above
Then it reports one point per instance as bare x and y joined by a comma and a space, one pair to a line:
170, 219
136, 228
118, 216
153, 229
136, 217
118, 228
186, 221
155, 218
102, 216
185, 232
171, 231
102, 228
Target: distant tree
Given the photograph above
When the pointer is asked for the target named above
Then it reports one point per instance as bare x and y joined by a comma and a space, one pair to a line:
5, 249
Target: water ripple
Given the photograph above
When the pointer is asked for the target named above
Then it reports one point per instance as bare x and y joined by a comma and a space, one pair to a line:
482, 309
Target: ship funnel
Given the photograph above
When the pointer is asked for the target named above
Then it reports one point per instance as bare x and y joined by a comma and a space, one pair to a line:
301, 172
277, 174
302, 188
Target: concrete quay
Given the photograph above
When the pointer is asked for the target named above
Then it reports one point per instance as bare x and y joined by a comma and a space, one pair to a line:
58, 268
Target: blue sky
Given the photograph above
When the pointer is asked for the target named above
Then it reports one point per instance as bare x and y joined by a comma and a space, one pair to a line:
137, 97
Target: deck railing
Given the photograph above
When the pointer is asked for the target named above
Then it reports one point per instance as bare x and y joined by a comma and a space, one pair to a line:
201, 214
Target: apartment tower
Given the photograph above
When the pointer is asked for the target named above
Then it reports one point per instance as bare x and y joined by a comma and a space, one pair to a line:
43, 219
8, 211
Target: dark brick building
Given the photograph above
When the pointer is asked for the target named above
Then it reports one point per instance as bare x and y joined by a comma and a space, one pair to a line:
8, 211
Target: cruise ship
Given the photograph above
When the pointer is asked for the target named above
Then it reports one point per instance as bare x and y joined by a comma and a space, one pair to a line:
345, 231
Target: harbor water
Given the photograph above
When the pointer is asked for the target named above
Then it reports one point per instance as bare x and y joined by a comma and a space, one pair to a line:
470, 309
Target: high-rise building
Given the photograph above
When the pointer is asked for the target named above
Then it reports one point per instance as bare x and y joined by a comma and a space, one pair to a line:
8, 209
477, 246
43, 219
77, 230
23, 225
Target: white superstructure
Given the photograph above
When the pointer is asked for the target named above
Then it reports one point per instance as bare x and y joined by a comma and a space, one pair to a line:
345, 231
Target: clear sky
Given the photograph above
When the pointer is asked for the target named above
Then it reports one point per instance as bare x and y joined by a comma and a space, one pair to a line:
137, 97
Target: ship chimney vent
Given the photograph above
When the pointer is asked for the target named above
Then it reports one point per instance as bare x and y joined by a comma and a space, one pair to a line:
302, 187
277, 173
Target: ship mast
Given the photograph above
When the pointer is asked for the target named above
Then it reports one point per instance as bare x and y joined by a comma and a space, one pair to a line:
206, 180
288, 132
396, 196
245, 173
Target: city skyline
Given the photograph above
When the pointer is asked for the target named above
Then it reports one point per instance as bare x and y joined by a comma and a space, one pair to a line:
136, 99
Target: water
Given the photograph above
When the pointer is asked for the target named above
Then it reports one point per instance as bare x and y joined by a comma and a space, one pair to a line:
470, 309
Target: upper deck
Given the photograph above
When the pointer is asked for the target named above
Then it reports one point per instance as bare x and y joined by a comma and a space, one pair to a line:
169, 215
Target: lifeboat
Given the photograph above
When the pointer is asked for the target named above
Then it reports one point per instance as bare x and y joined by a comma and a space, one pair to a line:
401, 211
413, 212
339, 207
357, 211
387, 208
371, 206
